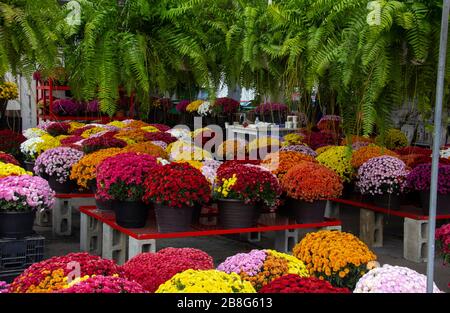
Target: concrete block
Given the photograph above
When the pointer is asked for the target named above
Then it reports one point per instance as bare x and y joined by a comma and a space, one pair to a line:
91, 234
251, 237
62, 217
336, 228
415, 240
44, 218
114, 245
62, 213
136, 246
285, 240
371, 228
332, 210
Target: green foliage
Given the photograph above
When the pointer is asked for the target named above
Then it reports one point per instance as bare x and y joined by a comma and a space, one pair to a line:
360, 70
27, 36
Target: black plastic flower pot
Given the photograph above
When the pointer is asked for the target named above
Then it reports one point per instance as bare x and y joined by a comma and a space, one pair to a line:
237, 214
16, 225
131, 214
92, 185
307, 212
388, 201
196, 213
104, 205
69, 186
442, 203
170, 219
29, 166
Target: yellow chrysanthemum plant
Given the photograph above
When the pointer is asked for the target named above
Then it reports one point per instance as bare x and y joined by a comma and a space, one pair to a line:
84, 171
8, 91
292, 139
193, 106
8, 169
206, 281
339, 257
338, 159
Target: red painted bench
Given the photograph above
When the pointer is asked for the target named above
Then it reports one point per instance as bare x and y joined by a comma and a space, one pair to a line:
100, 233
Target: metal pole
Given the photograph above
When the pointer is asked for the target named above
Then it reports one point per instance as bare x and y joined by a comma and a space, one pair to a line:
436, 144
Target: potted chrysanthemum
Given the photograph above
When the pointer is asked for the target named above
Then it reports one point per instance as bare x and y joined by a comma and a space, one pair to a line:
20, 198
308, 186
241, 190
55, 165
121, 178
419, 179
383, 179
176, 189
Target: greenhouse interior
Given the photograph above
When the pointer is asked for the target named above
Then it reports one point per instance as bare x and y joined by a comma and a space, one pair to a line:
224, 146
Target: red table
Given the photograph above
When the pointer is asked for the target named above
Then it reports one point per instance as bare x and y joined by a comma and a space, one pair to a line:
408, 211
415, 224
113, 241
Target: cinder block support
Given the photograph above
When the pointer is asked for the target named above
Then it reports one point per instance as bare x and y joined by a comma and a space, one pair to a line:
251, 237
332, 210
91, 234
285, 240
62, 217
336, 228
114, 245
62, 213
415, 238
136, 246
371, 228
44, 218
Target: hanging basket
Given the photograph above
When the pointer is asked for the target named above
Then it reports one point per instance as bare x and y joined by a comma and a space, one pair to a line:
236, 214
170, 219
307, 212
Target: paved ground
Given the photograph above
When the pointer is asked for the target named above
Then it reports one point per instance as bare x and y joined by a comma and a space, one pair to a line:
219, 247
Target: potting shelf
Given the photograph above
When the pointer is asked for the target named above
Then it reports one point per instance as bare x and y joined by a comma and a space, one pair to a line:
150, 231
409, 211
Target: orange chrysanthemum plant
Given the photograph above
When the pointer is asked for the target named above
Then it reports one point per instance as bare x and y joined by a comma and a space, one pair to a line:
84, 170
364, 154
310, 182
354, 138
131, 135
147, 148
280, 162
339, 257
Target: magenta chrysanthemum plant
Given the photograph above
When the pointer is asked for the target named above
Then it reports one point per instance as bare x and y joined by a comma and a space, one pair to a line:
104, 284
382, 175
57, 162
25, 193
419, 178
